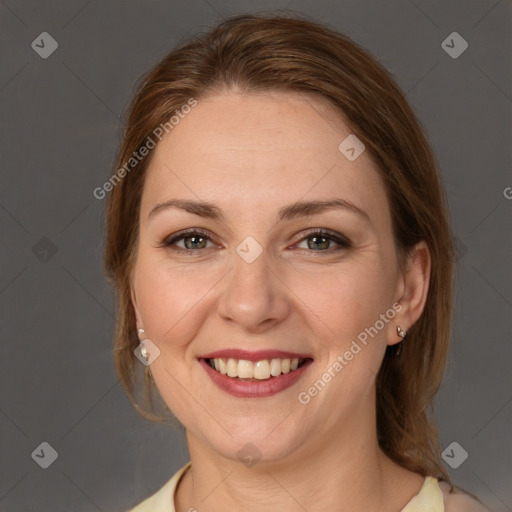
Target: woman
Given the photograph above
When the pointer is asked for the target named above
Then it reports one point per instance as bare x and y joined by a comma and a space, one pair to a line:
279, 240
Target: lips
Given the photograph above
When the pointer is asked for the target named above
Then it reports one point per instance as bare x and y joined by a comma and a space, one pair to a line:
264, 384
254, 356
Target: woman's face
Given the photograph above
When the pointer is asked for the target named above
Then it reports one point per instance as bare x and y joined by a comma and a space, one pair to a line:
257, 278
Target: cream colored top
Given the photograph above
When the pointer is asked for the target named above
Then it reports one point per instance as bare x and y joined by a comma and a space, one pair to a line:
433, 496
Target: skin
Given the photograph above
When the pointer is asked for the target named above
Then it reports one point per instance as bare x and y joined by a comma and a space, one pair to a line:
250, 153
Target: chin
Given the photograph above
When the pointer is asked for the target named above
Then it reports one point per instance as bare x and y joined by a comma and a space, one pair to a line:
255, 445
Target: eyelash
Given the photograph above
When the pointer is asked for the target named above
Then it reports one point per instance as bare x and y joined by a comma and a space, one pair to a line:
343, 242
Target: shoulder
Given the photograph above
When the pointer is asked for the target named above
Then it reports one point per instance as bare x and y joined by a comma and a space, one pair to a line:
438, 496
163, 499
154, 502
459, 500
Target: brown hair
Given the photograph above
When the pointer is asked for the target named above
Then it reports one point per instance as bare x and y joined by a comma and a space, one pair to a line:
256, 53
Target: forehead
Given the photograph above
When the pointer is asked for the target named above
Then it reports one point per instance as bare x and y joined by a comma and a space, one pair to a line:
260, 151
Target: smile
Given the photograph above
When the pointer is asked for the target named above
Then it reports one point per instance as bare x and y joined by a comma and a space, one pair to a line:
259, 370
242, 378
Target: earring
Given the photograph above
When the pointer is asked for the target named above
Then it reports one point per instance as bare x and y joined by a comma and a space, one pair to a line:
400, 332
143, 350
402, 335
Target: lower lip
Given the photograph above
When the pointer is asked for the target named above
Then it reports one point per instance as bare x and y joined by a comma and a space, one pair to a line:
255, 389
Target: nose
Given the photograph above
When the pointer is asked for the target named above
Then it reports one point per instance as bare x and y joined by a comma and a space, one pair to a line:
255, 298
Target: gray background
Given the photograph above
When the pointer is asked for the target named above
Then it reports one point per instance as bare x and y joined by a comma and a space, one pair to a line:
60, 130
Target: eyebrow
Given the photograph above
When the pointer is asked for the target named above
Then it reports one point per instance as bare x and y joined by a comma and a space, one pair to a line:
292, 211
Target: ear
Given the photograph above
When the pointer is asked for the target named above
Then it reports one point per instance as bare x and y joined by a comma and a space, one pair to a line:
413, 289
138, 319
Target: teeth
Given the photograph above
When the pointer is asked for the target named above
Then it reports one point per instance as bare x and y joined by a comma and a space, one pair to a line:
245, 369
232, 368
260, 370
275, 367
222, 366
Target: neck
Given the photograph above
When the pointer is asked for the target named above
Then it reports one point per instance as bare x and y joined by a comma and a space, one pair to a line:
343, 469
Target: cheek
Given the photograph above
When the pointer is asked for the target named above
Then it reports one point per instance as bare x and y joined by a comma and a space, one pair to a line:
174, 300
345, 301
346, 310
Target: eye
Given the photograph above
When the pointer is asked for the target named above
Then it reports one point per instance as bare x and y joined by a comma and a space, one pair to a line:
321, 240
190, 241
196, 240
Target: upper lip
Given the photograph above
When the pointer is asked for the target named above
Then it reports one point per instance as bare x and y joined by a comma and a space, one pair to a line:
259, 355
